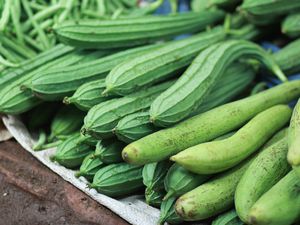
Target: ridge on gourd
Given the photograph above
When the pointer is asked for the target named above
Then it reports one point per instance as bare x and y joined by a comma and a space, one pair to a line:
288, 57
103, 118
180, 181
236, 78
166, 61
33, 63
118, 179
189, 91
109, 151
16, 100
66, 121
134, 126
70, 153
128, 32
58, 83
89, 167
88, 95
207, 126
269, 7
154, 174
291, 25
159, 64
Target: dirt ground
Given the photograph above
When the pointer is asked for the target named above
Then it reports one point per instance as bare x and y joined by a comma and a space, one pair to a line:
30, 194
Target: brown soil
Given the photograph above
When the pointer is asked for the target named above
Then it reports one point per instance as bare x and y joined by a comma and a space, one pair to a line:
31, 194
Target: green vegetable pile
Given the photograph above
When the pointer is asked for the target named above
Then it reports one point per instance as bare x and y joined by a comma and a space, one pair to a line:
188, 122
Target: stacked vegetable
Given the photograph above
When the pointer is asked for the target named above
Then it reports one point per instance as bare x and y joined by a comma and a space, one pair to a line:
131, 108
25, 26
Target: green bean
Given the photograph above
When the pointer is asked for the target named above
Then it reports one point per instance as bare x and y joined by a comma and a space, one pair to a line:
68, 7
9, 55
44, 25
7, 63
5, 15
41, 15
37, 6
33, 43
33, 21
92, 14
84, 5
15, 11
20, 48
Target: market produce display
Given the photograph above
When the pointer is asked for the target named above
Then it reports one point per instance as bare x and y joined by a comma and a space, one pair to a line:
187, 109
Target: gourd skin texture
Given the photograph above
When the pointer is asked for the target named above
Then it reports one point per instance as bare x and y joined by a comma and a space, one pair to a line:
56, 84
67, 121
207, 126
154, 175
89, 167
236, 78
102, 118
18, 98
159, 64
293, 137
13, 99
288, 57
179, 181
212, 197
217, 156
71, 153
118, 179
134, 31
33, 63
263, 173
109, 151
190, 90
269, 7
88, 95
285, 196
291, 25
134, 127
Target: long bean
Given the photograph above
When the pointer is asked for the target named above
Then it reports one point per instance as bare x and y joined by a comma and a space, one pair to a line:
41, 15
33, 21
5, 15
13, 44
15, 11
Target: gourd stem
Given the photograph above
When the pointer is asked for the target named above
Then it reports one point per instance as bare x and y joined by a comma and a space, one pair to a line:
169, 194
